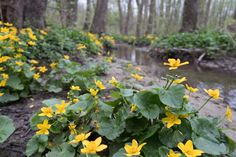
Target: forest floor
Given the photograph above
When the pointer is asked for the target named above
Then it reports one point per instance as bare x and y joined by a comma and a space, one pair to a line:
22, 110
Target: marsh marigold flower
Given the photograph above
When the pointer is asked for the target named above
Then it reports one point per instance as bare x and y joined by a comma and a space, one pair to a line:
188, 150
19, 63
133, 149
61, 108
1, 94
66, 57
43, 128
113, 81
191, 89
137, 77
34, 61
43, 69
77, 88
93, 92
173, 154
72, 127
31, 43
81, 137
215, 94
92, 147
53, 65
181, 80
100, 85
228, 114
46, 111
175, 63
36, 76
171, 120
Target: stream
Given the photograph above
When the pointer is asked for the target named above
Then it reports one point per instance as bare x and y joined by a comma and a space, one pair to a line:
196, 76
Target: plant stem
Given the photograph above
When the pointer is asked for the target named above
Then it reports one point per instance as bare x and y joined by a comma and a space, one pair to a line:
171, 82
203, 105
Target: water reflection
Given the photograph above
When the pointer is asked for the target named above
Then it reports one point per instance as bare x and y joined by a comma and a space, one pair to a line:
201, 78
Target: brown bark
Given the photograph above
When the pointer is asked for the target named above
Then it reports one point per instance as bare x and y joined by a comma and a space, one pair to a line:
121, 22
139, 18
24, 12
128, 17
190, 16
72, 13
87, 16
152, 13
234, 15
99, 19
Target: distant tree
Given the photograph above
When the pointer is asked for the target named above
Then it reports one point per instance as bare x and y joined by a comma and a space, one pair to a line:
207, 12
152, 14
190, 16
128, 17
24, 12
140, 4
99, 19
121, 20
87, 16
234, 15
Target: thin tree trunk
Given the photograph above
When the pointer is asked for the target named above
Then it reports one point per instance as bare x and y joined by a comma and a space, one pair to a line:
129, 13
139, 18
234, 15
190, 16
72, 8
87, 16
145, 17
207, 13
152, 13
99, 19
121, 22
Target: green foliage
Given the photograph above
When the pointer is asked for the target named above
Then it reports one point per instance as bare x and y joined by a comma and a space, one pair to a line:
213, 42
6, 129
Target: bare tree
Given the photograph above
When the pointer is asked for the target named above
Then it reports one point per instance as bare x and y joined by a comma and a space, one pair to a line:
234, 15
139, 18
128, 17
190, 16
121, 22
152, 14
87, 16
99, 19
207, 12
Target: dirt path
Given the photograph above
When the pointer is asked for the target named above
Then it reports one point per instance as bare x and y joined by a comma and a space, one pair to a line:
212, 109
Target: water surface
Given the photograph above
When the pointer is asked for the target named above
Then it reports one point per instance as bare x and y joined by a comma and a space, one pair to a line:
197, 77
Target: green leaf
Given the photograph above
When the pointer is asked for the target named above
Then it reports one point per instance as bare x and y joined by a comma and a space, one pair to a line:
64, 150
136, 124
7, 97
126, 92
36, 144
120, 153
15, 82
6, 128
148, 104
150, 131
172, 97
51, 102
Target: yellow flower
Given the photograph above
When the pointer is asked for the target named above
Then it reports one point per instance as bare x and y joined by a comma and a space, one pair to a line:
8, 24
61, 108
66, 57
31, 43
81, 46
36, 76
228, 114
72, 127
75, 100
100, 85
5, 30
43, 128
32, 36
93, 92
32, 68
133, 107
1, 94
172, 154
138, 68
19, 63
137, 77
113, 81
75, 88
188, 150
43, 32
186, 97
92, 147
53, 65
43, 69
171, 120
4, 59
81, 137
191, 89
134, 149
215, 94
175, 63
18, 55
20, 50
129, 65
46, 111
1, 69
181, 80
34, 61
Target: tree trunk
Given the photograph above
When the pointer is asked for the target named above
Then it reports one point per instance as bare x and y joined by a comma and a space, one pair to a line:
234, 15
139, 18
127, 21
87, 16
190, 16
121, 22
145, 17
152, 13
99, 19
72, 8
207, 13
24, 12
34, 13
